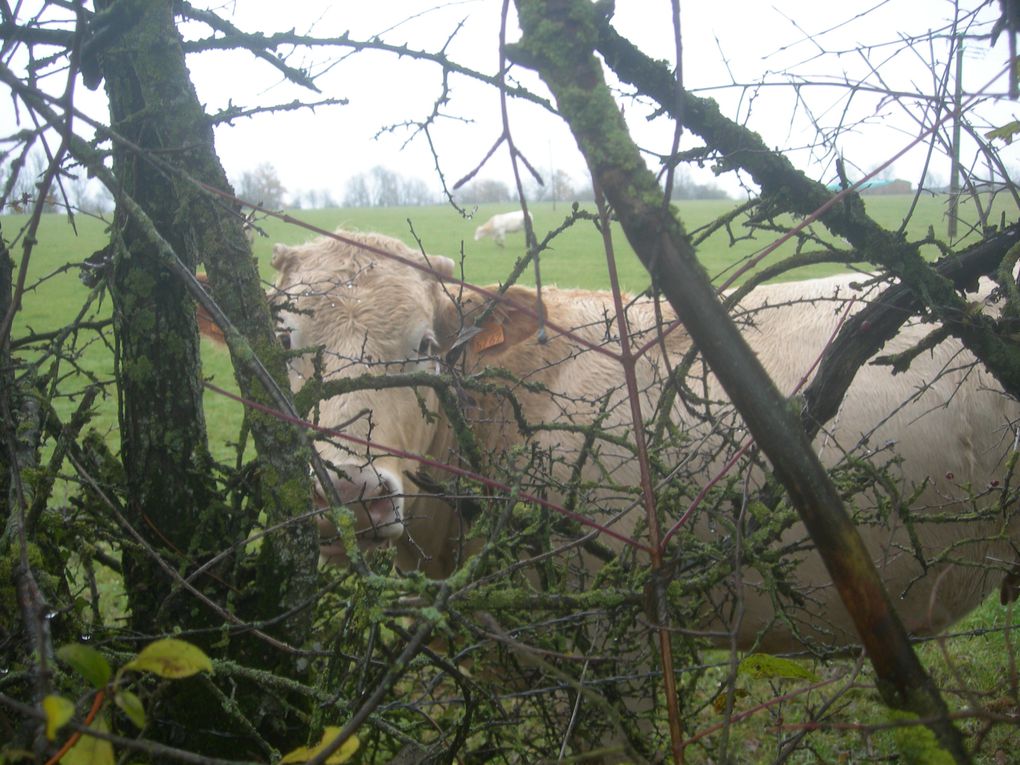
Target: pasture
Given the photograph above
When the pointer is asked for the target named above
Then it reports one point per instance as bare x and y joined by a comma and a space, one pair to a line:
574, 258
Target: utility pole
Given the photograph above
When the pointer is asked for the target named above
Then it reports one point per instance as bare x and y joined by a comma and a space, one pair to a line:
954, 172
552, 176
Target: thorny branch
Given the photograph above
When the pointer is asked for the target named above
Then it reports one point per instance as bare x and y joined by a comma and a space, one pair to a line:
791, 190
390, 675
576, 80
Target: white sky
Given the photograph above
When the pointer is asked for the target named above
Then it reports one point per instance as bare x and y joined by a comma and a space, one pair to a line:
725, 41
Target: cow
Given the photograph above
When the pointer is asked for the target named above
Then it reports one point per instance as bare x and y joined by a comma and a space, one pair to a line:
501, 224
937, 435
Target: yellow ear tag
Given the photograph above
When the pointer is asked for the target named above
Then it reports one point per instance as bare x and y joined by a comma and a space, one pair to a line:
490, 336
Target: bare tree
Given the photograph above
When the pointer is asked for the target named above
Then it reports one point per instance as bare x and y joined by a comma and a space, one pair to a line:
385, 187
382, 187
224, 555
21, 179
357, 193
484, 191
162, 493
316, 199
262, 186
415, 192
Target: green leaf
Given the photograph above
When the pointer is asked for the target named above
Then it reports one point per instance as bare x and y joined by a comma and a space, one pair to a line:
131, 705
340, 756
87, 662
763, 666
172, 659
91, 750
58, 711
1006, 132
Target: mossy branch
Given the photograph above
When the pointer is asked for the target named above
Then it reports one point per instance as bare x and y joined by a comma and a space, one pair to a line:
560, 37
791, 190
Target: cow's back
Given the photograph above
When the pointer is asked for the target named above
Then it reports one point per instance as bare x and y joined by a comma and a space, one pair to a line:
931, 438
928, 447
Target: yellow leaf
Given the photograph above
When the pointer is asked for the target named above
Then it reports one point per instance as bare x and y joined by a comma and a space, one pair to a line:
58, 711
1007, 132
91, 750
340, 756
172, 659
131, 705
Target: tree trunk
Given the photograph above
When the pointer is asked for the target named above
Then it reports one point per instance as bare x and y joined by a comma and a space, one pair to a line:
164, 145
162, 425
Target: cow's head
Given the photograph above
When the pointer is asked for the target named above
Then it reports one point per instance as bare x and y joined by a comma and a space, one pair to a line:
361, 313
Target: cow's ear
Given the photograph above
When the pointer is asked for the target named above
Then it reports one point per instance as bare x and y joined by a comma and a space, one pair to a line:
206, 323
518, 315
282, 255
512, 320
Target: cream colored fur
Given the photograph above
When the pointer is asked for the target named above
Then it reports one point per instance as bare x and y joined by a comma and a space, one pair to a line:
953, 437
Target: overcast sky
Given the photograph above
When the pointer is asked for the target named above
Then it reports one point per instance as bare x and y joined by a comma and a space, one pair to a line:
726, 44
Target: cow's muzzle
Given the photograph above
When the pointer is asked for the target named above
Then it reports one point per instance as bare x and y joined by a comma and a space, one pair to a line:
375, 495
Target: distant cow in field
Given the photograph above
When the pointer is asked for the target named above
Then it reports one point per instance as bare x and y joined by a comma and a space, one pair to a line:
498, 226
938, 434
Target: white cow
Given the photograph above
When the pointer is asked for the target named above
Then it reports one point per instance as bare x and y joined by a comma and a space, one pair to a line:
498, 226
938, 434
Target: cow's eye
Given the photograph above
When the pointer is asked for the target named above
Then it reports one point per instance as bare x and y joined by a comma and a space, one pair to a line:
428, 347
284, 340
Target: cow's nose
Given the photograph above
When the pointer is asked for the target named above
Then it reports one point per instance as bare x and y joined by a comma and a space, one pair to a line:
376, 497
383, 513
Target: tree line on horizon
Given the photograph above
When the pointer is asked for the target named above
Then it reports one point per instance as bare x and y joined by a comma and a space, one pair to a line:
382, 187
378, 187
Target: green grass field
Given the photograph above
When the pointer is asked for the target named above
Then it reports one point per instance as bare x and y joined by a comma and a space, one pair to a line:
575, 258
